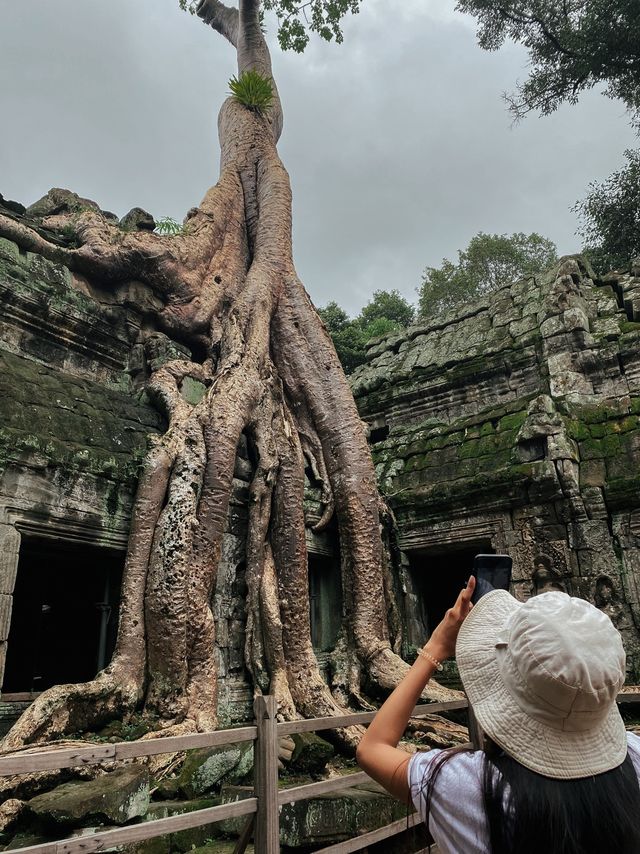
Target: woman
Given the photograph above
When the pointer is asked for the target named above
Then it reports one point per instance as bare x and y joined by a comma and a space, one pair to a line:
558, 773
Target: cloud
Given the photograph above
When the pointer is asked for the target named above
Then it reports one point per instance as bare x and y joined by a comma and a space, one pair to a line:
398, 144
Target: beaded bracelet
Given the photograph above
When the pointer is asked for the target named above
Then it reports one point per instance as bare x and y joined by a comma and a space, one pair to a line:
427, 655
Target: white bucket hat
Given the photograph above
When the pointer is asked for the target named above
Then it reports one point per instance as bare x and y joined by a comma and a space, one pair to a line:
542, 677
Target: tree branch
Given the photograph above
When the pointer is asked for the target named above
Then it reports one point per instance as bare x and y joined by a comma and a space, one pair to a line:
222, 18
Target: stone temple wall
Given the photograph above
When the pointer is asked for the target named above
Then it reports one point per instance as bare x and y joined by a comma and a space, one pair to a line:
74, 427
515, 425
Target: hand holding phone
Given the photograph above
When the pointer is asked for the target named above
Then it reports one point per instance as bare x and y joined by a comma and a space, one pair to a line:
492, 572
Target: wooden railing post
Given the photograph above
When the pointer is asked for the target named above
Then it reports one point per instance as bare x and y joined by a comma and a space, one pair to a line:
475, 732
267, 826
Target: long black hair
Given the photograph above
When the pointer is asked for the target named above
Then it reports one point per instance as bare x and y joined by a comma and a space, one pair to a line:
528, 813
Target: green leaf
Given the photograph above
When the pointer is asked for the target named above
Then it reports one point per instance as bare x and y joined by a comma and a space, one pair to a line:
252, 90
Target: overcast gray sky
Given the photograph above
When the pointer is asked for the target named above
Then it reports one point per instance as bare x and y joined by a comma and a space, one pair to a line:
398, 144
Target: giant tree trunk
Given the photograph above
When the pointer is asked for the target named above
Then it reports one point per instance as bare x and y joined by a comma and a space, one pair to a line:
230, 290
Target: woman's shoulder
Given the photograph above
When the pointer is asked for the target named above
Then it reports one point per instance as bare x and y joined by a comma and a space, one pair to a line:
459, 768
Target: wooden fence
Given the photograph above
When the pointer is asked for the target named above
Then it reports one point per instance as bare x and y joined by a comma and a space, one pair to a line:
263, 809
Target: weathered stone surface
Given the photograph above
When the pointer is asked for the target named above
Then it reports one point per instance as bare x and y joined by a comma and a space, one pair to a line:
137, 220
10, 812
325, 819
59, 201
311, 753
115, 798
488, 432
184, 840
204, 769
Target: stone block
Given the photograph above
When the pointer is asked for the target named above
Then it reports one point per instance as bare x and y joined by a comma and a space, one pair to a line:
592, 473
6, 605
114, 798
3, 659
552, 326
9, 553
576, 318
204, 769
595, 504
236, 658
184, 840
325, 819
311, 753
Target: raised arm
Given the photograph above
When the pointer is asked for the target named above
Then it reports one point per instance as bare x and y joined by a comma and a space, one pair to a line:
378, 753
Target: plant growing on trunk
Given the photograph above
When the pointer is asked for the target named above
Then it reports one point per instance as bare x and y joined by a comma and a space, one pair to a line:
231, 293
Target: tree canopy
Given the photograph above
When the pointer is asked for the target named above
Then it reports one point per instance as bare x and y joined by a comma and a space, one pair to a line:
488, 262
610, 216
386, 312
573, 45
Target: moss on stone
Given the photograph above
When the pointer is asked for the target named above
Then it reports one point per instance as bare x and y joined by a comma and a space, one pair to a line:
512, 422
611, 445
629, 326
623, 492
591, 449
599, 413
76, 425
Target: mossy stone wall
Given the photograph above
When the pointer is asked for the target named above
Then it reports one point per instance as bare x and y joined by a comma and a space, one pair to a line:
516, 421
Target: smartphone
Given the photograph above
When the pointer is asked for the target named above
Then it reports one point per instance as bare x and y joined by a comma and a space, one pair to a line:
492, 572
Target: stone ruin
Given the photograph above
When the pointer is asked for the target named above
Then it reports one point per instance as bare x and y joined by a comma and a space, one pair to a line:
513, 426
509, 426
74, 425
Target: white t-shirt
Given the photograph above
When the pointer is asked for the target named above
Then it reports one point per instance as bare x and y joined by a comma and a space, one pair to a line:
457, 818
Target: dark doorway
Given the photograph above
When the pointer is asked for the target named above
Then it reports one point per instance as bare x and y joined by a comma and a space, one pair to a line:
438, 577
65, 614
325, 601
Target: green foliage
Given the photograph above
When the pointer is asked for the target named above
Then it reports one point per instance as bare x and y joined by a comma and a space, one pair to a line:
488, 262
573, 46
387, 312
297, 19
388, 305
347, 336
610, 216
253, 90
169, 227
334, 317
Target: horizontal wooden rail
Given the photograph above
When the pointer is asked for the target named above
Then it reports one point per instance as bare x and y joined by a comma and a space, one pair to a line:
20, 697
74, 757
629, 698
26, 763
146, 830
355, 718
322, 787
360, 842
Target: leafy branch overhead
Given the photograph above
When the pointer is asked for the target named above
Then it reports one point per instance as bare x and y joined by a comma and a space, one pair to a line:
297, 19
610, 217
573, 46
